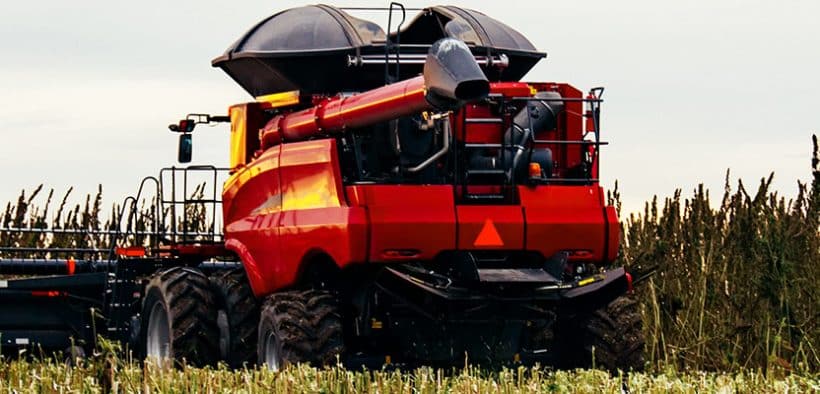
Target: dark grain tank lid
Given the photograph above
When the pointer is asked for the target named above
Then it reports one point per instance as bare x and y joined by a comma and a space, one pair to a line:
319, 28
310, 48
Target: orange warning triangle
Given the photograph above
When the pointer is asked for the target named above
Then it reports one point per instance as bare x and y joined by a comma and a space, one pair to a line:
488, 235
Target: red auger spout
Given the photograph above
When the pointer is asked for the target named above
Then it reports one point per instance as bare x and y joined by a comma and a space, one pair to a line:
451, 78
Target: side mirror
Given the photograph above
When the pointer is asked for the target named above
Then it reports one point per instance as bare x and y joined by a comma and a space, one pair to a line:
184, 126
186, 147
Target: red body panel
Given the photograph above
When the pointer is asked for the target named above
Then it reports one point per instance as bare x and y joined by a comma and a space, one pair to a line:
251, 205
496, 227
289, 204
569, 218
291, 207
408, 221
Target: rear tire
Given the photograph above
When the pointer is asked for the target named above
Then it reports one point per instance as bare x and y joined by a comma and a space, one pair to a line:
299, 327
612, 337
237, 318
179, 318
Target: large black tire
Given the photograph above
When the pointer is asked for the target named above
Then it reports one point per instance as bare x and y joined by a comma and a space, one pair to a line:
300, 327
179, 318
612, 337
238, 318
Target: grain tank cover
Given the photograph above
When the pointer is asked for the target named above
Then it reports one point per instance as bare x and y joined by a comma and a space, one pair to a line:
483, 34
320, 48
303, 48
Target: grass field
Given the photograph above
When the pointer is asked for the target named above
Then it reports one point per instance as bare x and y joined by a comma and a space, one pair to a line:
118, 376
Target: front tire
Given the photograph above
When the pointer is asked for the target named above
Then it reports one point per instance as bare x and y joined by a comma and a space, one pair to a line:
179, 318
299, 327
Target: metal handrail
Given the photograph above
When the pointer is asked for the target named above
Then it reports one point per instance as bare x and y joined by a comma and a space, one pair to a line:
161, 232
594, 101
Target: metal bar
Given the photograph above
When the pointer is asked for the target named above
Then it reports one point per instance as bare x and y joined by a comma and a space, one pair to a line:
485, 120
566, 99
69, 231
220, 264
596, 114
387, 45
173, 206
185, 206
213, 207
191, 200
571, 180
119, 227
46, 266
352, 60
398, 34
476, 146
111, 232
458, 166
376, 9
199, 200
486, 172
502, 105
563, 142
45, 262
441, 152
160, 210
52, 250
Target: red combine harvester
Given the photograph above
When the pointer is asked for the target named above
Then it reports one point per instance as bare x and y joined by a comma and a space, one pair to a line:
396, 197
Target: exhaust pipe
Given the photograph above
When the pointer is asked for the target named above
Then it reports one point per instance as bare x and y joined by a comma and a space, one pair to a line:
452, 76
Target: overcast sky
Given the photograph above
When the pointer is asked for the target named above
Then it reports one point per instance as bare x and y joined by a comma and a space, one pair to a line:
692, 87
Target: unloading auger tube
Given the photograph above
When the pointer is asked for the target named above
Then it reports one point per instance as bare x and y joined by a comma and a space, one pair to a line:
451, 78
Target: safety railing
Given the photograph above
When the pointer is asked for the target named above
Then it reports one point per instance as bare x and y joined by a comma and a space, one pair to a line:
179, 206
186, 209
590, 148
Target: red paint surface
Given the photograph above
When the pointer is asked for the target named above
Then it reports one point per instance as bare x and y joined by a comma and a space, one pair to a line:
567, 218
404, 217
377, 105
506, 219
288, 204
290, 207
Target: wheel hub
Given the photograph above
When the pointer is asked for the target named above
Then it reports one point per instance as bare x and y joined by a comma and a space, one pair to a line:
158, 337
271, 356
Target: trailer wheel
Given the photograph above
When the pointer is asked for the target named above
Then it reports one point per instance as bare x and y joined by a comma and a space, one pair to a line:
179, 318
613, 338
237, 318
299, 327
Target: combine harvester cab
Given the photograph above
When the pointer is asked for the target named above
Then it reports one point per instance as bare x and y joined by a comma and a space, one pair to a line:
398, 197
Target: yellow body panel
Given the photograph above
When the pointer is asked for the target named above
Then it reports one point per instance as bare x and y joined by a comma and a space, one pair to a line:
239, 131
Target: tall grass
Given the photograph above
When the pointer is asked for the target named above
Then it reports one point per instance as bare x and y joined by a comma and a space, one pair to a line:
737, 285
83, 227
82, 221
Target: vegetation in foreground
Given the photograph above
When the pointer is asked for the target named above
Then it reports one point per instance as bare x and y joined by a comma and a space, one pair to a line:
108, 374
